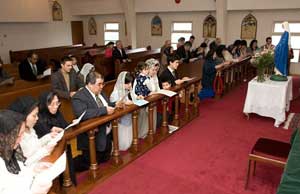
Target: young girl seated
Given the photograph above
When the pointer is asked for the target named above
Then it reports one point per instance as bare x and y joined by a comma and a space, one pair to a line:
140, 91
121, 92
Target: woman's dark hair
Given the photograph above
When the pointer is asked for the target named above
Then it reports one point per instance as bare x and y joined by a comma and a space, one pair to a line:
110, 43
251, 44
128, 78
45, 100
140, 66
220, 50
203, 45
167, 50
210, 54
244, 43
237, 43
50, 97
213, 45
24, 105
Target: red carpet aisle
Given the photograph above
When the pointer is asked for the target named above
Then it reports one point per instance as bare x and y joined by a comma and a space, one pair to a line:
208, 156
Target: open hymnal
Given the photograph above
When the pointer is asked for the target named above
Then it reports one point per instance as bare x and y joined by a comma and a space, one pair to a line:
140, 102
76, 121
47, 72
166, 92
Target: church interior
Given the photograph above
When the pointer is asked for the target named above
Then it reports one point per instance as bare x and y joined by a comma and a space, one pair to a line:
149, 97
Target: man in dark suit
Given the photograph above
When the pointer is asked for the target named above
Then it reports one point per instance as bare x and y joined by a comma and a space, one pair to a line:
119, 53
184, 52
65, 81
170, 73
31, 69
92, 100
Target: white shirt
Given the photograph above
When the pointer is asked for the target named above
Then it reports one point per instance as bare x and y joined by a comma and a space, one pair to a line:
120, 50
100, 96
33, 67
172, 71
105, 104
25, 182
34, 148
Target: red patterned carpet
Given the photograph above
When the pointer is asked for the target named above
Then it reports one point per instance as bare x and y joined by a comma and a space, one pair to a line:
208, 156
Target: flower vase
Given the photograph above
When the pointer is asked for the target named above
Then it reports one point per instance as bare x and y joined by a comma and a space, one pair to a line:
260, 75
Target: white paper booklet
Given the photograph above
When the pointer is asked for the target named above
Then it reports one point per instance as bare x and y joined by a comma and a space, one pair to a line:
76, 121
166, 92
57, 138
54, 170
140, 102
47, 72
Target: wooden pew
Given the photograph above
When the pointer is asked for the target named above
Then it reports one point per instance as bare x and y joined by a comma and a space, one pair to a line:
137, 147
44, 53
231, 76
12, 70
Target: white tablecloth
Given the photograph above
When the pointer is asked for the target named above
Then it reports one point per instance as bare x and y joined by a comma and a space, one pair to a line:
269, 98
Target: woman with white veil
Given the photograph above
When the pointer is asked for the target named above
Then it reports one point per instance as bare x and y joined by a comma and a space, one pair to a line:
122, 92
86, 69
153, 85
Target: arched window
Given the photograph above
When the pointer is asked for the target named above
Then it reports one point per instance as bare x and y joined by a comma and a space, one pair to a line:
210, 27
248, 27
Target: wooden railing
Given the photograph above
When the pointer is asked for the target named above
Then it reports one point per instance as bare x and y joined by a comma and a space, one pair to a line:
188, 112
232, 75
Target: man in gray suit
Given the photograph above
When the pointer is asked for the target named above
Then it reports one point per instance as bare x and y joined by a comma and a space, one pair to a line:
92, 100
65, 81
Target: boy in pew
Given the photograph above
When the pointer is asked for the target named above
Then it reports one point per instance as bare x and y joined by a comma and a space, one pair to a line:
166, 85
5, 78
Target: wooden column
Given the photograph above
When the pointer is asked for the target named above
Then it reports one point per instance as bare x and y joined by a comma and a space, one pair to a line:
187, 100
67, 179
164, 126
196, 100
150, 123
116, 155
135, 139
92, 149
176, 114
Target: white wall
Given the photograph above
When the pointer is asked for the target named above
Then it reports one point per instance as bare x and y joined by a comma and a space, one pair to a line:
144, 37
24, 11
171, 6
25, 35
100, 20
95, 7
259, 4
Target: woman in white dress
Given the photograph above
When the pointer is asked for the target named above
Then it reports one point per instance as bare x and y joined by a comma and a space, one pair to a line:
15, 176
33, 148
153, 84
122, 92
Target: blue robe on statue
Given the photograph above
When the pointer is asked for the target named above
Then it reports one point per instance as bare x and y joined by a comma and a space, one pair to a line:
281, 54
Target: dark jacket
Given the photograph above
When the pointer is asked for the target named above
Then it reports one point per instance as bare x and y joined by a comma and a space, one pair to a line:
47, 120
26, 72
59, 85
84, 101
167, 75
117, 55
183, 54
